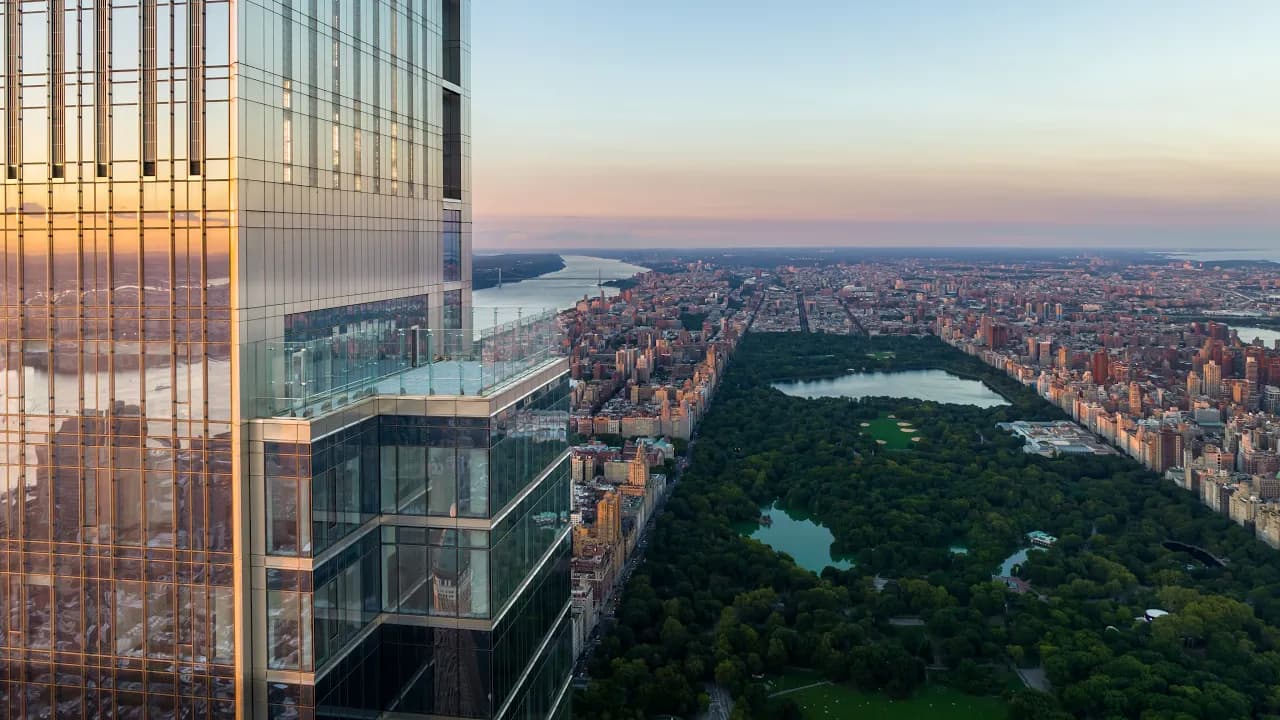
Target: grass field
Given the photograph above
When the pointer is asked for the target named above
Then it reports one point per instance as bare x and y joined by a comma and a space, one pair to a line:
838, 702
886, 430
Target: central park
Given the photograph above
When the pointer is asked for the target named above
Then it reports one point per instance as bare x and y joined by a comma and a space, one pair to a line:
909, 626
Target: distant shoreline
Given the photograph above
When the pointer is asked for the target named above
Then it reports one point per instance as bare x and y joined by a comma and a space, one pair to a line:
512, 267
1221, 258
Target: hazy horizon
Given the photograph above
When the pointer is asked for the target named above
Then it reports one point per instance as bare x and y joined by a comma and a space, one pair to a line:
1091, 123
529, 234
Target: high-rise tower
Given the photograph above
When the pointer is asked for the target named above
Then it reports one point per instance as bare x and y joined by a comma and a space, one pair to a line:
1212, 379
257, 459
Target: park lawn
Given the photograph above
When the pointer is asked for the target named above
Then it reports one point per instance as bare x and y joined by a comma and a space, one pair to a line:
840, 702
886, 428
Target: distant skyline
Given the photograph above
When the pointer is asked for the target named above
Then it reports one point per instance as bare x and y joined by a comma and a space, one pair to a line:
1130, 123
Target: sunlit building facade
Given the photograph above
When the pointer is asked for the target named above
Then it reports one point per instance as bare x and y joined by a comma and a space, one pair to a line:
256, 459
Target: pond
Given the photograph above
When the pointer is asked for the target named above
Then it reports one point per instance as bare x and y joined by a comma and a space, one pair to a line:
936, 385
1006, 567
803, 539
1198, 553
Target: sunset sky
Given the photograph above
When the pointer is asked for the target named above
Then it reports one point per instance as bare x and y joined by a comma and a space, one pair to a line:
1134, 123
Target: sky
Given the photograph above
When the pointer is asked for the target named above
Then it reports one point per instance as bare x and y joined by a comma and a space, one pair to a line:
632, 123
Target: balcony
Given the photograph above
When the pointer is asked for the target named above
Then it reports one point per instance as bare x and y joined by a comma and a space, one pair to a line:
315, 377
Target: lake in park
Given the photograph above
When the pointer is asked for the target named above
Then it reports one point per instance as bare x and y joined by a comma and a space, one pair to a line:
1014, 560
1269, 337
936, 385
804, 540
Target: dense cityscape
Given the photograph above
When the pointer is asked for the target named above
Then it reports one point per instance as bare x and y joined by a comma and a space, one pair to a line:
1143, 357
1159, 360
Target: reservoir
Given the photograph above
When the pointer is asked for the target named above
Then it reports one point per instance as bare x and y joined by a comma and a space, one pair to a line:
1248, 334
554, 291
804, 540
936, 385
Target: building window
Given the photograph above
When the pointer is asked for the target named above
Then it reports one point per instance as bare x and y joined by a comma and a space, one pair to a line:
452, 145
12, 88
195, 86
58, 81
452, 242
149, 88
453, 310
451, 19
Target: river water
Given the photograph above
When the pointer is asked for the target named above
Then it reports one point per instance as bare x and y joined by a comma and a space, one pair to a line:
936, 385
1209, 256
554, 291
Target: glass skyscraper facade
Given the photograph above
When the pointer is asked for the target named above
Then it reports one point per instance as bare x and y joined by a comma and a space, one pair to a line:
255, 458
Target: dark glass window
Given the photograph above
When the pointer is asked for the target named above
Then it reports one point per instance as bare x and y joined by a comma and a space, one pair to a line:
452, 242
516, 458
451, 18
452, 145
344, 483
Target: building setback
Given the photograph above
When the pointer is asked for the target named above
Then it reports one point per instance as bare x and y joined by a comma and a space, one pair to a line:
256, 459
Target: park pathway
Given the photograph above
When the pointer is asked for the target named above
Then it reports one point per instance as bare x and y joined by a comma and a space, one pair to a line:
798, 689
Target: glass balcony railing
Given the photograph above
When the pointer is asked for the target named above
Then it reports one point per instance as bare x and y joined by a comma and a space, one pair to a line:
314, 377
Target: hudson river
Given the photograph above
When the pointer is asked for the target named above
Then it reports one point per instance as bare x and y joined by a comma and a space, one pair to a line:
554, 291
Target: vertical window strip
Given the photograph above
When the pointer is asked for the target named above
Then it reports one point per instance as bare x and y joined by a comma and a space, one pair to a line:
410, 85
102, 88
376, 58
195, 85
58, 88
357, 86
12, 89
395, 98
425, 120
335, 95
452, 131
149, 88
451, 42
286, 90
313, 91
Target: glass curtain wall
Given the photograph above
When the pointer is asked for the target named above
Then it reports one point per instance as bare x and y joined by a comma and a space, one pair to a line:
115, 359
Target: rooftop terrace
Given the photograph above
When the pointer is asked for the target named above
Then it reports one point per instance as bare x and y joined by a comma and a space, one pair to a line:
314, 377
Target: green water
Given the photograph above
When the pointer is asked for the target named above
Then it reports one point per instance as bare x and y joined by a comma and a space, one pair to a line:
803, 539
1014, 560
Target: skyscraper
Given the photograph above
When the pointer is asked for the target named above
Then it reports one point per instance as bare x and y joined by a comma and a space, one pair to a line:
1194, 388
1212, 379
257, 460
1100, 366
